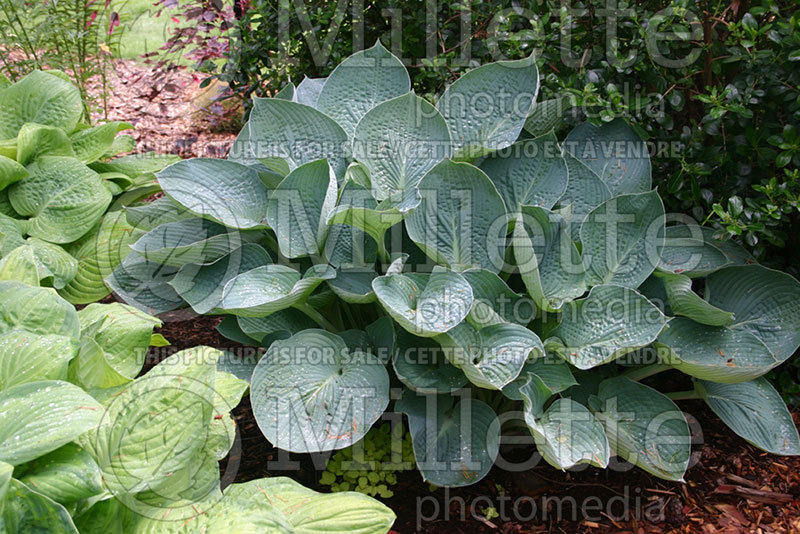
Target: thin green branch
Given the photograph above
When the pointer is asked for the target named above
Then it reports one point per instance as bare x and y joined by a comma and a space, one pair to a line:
640, 373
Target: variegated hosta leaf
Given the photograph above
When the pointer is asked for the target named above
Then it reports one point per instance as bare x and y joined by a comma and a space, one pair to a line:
227, 192
299, 207
683, 301
494, 302
547, 115
41, 98
547, 259
176, 244
201, 286
585, 191
764, 302
421, 364
756, 412
36, 140
615, 152
95, 142
455, 443
399, 141
716, 353
65, 475
644, 427
36, 309
622, 238
282, 129
55, 413
425, 305
10, 172
310, 512
361, 82
610, 322
530, 172
539, 380
461, 220
307, 92
310, 393
144, 285
28, 511
486, 108
695, 251
491, 357
28, 357
63, 198
271, 288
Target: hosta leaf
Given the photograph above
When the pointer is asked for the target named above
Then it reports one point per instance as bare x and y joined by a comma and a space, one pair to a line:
421, 364
143, 285
55, 414
311, 394
425, 305
202, 285
93, 143
63, 198
227, 192
279, 325
188, 241
151, 215
644, 427
568, 434
530, 172
347, 246
10, 172
308, 90
271, 288
621, 239
20, 265
55, 265
354, 284
615, 153
547, 115
461, 220
548, 260
98, 253
361, 82
764, 302
120, 144
35, 309
538, 381
715, 353
281, 129
492, 357
135, 165
486, 108
695, 251
585, 191
65, 475
41, 98
494, 302
756, 412
298, 209
157, 424
286, 92
399, 141
455, 443
28, 357
610, 322
29, 512
683, 301
310, 512
36, 140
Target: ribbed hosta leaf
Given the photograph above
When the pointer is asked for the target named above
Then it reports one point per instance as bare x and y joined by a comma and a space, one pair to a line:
538, 381
455, 443
425, 305
41, 98
311, 394
547, 115
354, 284
279, 325
144, 285
20, 265
615, 153
28, 357
530, 172
93, 143
461, 220
621, 239
29, 512
134, 165
36, 140
548, 260
683, 301
494, 302
307, 92
486, 108
65, 475
35, 309
10, 172
347, 246
695, 251
756, 412
399, 141
610, 322
421, 364
227, 192
63, 198
150, 215
567, 434
585, 191
644, 427
188, 241
361, 82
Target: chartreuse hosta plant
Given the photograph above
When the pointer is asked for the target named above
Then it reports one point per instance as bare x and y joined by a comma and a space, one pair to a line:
60, 188
369, 239
89, 444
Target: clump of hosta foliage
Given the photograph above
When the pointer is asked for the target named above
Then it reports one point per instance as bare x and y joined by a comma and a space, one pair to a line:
89, 444
61, 187
367, 238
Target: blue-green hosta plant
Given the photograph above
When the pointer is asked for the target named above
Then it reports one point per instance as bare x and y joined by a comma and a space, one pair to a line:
434, 259
61, 185
89, 444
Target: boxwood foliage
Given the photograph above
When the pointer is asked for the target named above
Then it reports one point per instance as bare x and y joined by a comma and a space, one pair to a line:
368, 239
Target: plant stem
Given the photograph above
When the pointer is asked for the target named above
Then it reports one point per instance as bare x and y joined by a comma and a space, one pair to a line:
640, 373
316, 316
683, 395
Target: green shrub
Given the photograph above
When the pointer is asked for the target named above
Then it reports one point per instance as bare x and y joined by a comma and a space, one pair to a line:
366, 237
